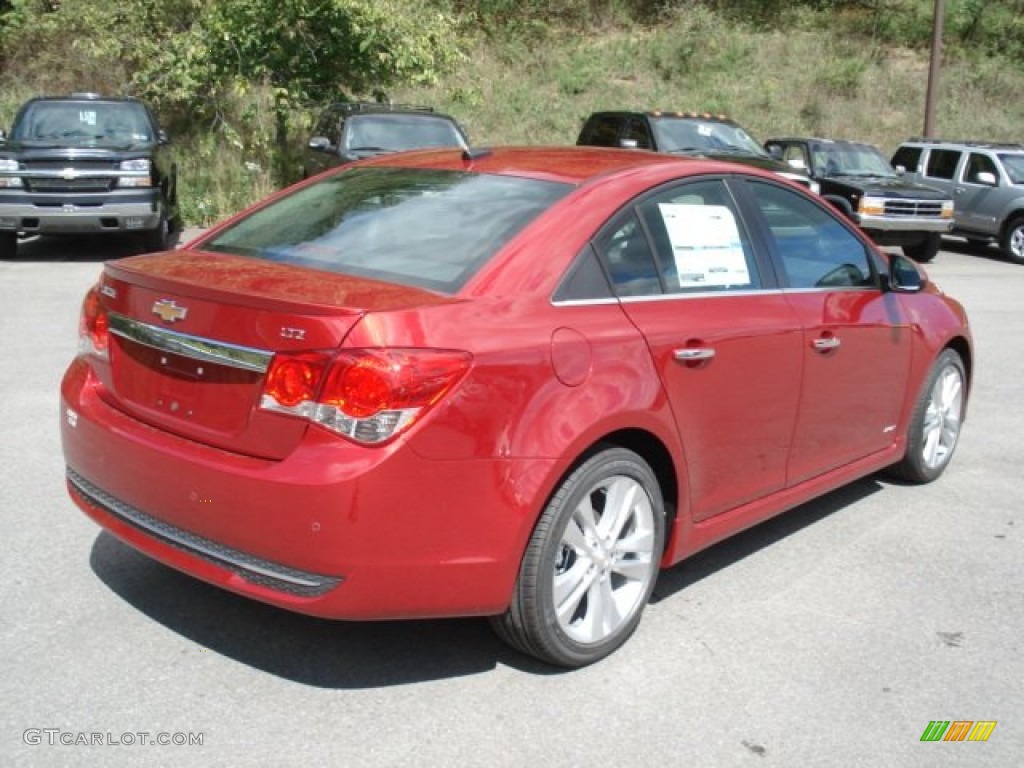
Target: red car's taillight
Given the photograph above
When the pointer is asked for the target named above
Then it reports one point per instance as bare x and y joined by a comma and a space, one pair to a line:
93, 326
368, 395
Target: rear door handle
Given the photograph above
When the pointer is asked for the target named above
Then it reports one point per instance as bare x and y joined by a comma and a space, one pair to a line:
826, 344
694, 354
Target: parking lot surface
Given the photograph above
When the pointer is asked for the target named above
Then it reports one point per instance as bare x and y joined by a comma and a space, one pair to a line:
830, 636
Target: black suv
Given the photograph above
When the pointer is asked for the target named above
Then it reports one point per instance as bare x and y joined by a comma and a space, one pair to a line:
85, 164
858, 180
352, 130
684, 133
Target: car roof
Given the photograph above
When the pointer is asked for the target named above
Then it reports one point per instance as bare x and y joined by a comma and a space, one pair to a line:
968, 143
567, 164
85, 97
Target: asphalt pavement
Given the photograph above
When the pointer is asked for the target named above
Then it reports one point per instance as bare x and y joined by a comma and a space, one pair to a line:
830, 636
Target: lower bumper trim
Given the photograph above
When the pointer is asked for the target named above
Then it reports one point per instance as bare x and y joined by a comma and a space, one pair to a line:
254, 569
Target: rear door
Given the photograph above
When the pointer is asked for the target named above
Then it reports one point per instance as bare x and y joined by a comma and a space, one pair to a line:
857, 338
726, 343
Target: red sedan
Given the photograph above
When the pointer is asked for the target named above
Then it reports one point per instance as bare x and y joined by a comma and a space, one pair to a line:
510, 383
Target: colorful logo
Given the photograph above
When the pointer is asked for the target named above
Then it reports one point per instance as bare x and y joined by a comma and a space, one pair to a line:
958, 730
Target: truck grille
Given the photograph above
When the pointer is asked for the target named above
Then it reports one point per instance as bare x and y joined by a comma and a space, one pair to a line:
931, 209
68, 185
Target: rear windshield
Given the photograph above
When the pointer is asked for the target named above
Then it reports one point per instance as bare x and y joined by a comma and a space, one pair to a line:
427, 228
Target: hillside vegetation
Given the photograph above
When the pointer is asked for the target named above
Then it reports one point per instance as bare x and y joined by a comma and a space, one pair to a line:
237, 82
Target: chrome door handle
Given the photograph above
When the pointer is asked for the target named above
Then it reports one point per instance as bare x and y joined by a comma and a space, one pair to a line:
694, 354
826, 344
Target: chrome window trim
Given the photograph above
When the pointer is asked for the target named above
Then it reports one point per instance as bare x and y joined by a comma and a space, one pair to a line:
710, 295
195, 347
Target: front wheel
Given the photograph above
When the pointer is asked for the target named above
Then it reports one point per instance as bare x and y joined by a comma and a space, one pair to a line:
1013, 240
936, 421
925, 250
591, 563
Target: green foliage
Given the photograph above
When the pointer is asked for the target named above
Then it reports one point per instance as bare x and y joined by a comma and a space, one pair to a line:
237, 82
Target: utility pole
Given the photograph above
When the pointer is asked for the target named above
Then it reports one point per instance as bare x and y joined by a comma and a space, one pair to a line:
938, 21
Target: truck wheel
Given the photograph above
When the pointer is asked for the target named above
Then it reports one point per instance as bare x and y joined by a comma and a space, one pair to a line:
158, 239
8, 245
925, 250
1013, 240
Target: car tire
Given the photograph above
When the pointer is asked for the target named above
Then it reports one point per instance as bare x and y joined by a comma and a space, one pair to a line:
589, 568
8, 245
925, 250
1013, 240
935, 422
158, 238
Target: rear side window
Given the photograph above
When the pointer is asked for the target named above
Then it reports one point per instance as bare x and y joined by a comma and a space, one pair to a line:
427, 228
942, 163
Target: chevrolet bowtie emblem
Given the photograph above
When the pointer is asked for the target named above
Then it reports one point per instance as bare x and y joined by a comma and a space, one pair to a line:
168, 311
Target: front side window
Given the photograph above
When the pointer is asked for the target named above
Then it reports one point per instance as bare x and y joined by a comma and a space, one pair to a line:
427, 228
979, 163
601, 131
815, 248
907, 158
637, 131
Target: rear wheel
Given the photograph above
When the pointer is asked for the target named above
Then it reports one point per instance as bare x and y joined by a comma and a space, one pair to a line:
8, 245
591, 563
936, 421
1013, 240
926, 249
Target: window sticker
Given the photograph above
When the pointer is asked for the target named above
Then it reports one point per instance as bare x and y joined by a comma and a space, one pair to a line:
87, 116
705, 245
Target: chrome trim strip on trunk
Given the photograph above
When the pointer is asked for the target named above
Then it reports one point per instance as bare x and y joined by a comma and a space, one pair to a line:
255, 569
195, 347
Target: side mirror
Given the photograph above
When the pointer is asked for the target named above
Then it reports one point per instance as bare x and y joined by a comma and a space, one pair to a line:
320, 144
987, 178
629, 143
901, 169
775, 151
798, 163
3, 136
162, 137
903, 275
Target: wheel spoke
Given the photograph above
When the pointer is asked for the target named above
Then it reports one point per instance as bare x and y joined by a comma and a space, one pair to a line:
573, 585
618, 508
634, 568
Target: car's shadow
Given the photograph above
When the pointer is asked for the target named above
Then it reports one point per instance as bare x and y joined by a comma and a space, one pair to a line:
988, 251
85, 248
353, 655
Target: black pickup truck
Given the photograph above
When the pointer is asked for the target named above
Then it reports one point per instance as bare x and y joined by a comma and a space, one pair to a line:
858, 180
85, 164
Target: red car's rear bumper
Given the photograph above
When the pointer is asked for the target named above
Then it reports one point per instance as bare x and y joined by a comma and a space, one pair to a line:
334, 530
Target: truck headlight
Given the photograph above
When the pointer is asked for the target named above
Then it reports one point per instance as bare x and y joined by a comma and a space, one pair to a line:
872, 206
138, 164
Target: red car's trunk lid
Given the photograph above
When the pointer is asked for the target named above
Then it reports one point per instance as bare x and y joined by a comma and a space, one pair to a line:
192, 334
